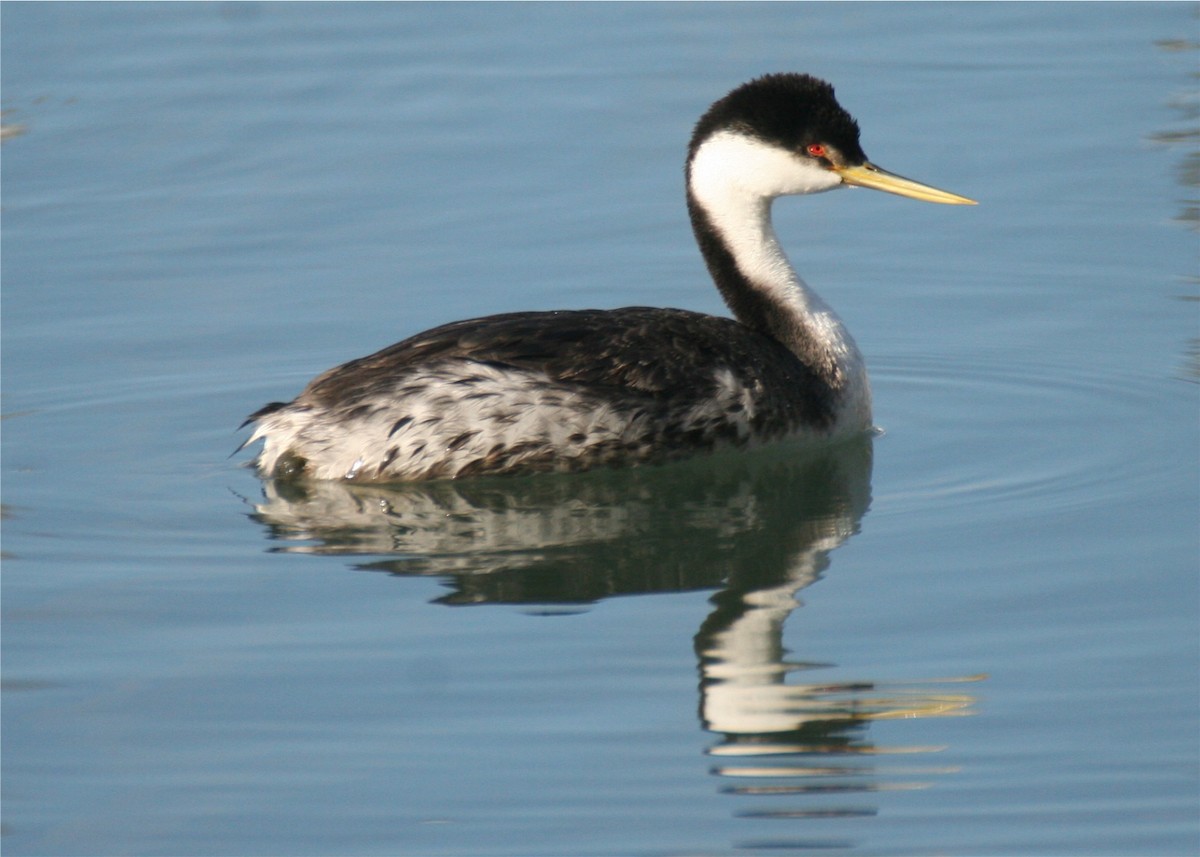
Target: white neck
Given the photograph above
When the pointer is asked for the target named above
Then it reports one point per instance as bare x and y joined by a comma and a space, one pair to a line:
733, 179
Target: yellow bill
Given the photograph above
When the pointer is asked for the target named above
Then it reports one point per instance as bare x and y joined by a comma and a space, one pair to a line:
869, 175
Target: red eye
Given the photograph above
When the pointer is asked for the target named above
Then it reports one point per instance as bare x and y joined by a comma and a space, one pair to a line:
816, 150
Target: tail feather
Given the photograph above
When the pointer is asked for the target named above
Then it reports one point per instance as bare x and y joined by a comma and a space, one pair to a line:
265, 410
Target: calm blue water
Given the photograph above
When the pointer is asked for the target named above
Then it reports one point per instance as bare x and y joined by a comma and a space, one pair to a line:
977, 635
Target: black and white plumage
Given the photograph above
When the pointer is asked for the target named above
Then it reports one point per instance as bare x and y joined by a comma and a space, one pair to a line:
572, 390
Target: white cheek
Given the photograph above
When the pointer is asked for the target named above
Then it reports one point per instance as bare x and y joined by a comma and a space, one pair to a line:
729, 159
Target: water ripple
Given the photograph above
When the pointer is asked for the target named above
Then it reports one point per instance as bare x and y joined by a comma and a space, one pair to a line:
1019, 432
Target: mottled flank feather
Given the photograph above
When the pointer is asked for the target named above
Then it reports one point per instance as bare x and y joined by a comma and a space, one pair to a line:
554, 391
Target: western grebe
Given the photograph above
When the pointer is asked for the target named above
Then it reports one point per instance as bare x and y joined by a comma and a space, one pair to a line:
576, 389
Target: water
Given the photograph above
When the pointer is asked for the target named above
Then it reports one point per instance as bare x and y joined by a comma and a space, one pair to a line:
977, 635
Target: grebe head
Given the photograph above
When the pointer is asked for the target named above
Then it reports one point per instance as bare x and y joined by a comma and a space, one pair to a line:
786, 134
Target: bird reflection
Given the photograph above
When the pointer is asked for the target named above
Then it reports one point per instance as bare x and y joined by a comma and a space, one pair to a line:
756, 527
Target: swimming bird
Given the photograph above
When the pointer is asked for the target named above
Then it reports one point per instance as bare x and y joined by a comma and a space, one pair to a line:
575, 389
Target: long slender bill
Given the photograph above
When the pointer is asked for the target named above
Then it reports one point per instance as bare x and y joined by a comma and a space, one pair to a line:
869, 175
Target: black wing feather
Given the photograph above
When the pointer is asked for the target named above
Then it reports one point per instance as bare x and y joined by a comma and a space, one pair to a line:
645, 350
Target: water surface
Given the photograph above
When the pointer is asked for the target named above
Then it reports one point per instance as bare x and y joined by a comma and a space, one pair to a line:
976, 634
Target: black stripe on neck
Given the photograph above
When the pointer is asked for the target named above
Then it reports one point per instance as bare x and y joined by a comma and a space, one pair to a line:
753, 306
